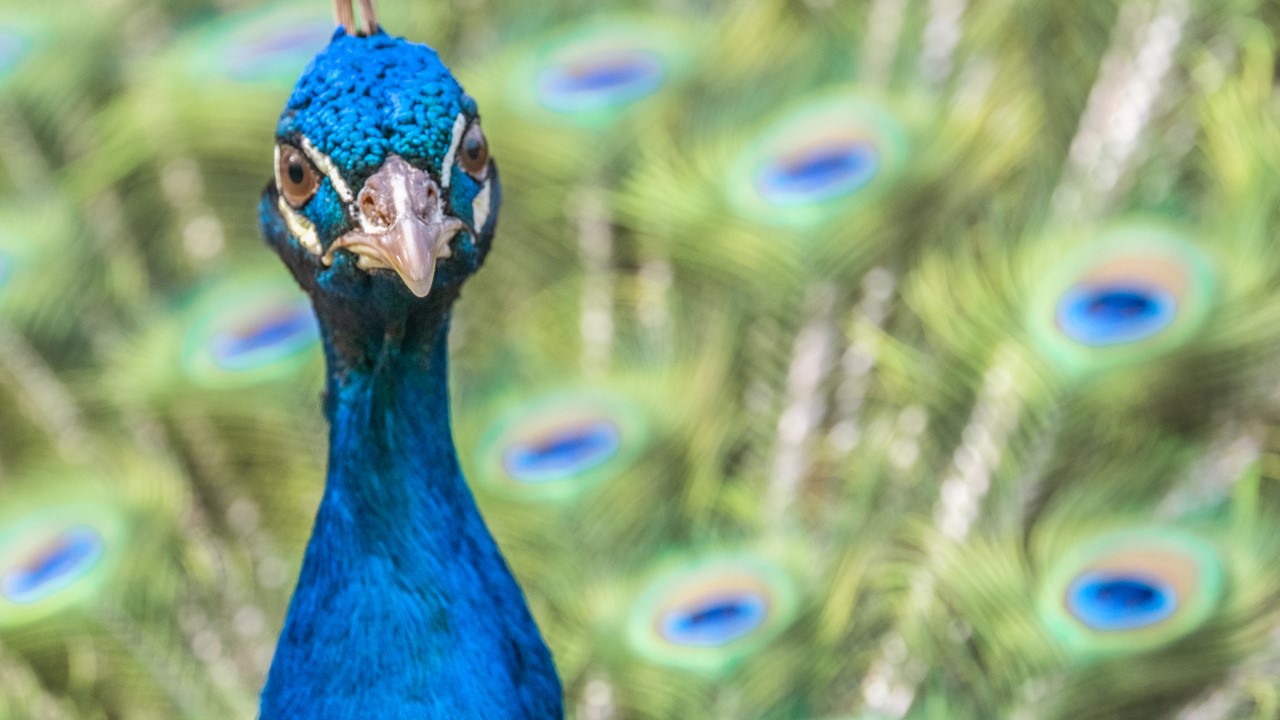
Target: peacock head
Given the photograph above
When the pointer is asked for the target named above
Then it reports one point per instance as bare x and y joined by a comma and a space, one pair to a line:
384, 193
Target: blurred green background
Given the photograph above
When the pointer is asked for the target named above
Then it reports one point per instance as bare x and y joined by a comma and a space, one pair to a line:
783, 333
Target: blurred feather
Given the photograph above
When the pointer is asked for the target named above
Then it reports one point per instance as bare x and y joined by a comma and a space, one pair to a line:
900, 359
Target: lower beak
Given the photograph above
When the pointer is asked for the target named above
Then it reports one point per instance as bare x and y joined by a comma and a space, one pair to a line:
402, 225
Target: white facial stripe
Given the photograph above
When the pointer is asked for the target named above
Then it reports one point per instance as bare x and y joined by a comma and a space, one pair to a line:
480, 207
276, 165
301, 227
446, 172
326, 166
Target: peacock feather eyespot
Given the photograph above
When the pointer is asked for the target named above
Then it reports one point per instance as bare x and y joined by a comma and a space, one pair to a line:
706, 613
1110, 313
52, 565
571, 447
1120, 600
557, 445
1135, 292
610, 77
268, 46
1131, 591
54, 557
242, 333
715, 618
817, 159
822, 169
594, 73
277, 331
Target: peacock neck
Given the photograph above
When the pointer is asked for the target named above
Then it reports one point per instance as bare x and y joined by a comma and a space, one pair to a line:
391, 452
404, 607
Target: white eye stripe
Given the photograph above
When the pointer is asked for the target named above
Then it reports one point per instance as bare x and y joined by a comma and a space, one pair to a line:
446, 172
480, 208
326, 166
301, 227
276, 166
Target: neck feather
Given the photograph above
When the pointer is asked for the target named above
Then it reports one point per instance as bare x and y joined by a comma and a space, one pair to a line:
404, 604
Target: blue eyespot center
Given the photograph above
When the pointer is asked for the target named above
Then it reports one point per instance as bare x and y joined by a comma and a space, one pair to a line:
54, 566
819, 173
1099, 315
603, 81
1108, 601
563, 452
714, 621
277, 333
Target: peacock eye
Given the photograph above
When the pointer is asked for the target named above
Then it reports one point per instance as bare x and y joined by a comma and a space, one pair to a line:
297, 178
711, 610
474, 152
1131, 590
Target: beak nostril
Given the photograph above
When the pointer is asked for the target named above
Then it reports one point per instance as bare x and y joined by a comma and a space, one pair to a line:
373, 209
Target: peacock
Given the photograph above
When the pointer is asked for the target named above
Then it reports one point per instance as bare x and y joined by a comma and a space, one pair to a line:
904, 359
382, 165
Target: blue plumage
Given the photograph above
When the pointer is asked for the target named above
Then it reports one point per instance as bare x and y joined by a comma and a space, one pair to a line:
365, 97
404, 607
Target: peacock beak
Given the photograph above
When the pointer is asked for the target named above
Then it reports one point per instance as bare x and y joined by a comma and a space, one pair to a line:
402, 225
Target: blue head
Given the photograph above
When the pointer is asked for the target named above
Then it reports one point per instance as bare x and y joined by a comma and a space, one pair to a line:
384, 199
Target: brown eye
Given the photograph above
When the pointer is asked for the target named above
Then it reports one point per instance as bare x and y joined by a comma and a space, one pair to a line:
298, 179
474, 152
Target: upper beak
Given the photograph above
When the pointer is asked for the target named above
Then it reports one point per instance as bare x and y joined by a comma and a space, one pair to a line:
402, 225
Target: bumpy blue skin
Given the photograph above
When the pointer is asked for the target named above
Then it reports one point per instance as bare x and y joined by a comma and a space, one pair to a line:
404, 609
